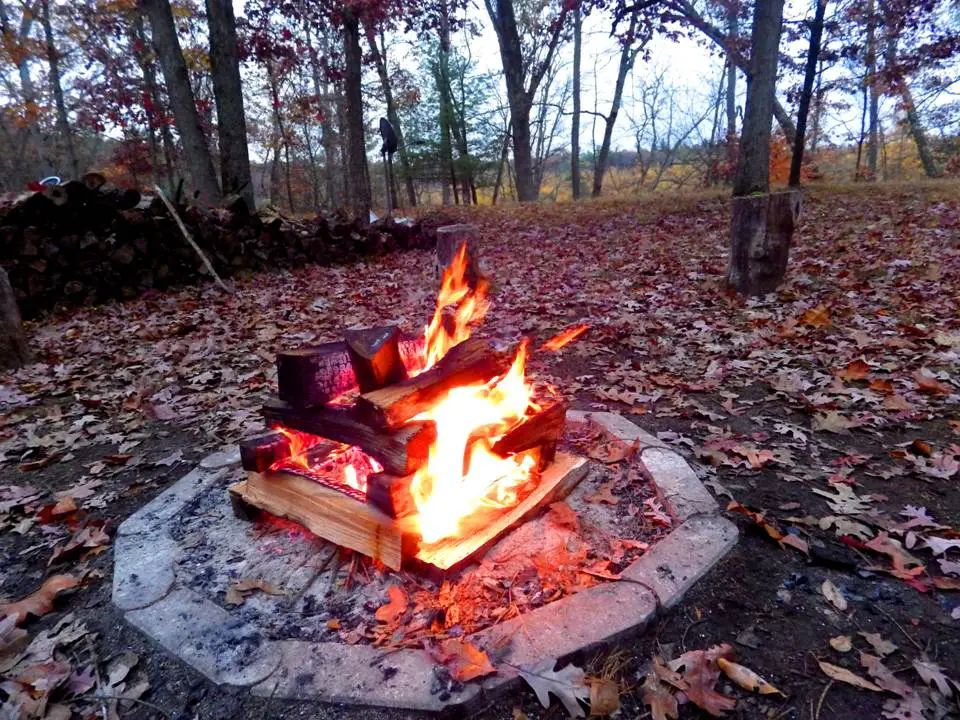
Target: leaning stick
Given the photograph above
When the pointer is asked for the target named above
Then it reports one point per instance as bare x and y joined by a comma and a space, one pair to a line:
189, 238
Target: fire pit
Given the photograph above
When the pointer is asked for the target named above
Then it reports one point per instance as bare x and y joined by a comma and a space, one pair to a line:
411, 449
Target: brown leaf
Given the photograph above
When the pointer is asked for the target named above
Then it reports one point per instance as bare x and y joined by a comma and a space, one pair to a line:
604, 696
884, 677
463, 660
603, 495
932, 674
833, 422
747, 678
563, 516
881, 647
40, 602
832, 593
237, 593
845, 676
841, 643
701, 672
855, 370
614, 451
930, 385
817, 317
90, 538
395, 607
659, 698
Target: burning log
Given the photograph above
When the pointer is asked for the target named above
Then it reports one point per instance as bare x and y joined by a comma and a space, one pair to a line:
375, 357
391, 494
401, 451
472, 361
259, 453
543, 429
315, 374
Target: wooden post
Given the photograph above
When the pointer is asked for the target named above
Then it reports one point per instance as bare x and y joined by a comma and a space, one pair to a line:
760, 232
449, 240
14, 351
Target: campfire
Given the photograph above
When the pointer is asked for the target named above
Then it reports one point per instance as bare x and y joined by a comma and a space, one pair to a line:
411, 448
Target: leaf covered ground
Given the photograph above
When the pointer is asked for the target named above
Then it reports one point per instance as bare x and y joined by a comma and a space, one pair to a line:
826, 417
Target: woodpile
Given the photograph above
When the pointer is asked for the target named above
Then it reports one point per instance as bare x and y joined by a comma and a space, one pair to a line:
83, 243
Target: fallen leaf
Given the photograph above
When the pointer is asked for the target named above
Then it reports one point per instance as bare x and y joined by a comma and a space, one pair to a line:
604, 696
563, 516
881, 647
658, 696
930, 385
817, 317
613, 451
841, 643
13, 641
833, 422
939, 545
908, 708
855, 370
832, 593
39, 602
746, 678
932, 674
464, 660
90, 539
883, 675
237, 593
171, 459
119, 666
603, 495
701, 672
395, 607
845, 676
568, 685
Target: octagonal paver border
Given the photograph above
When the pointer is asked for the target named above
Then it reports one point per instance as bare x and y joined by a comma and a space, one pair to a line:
196, 630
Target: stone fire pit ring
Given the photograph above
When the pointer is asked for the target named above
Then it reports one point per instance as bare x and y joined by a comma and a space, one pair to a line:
230, 650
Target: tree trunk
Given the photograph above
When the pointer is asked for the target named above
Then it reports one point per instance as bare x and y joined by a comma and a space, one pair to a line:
575, 121
15, 42
913, 117
358, 184
505, 148
813, 57
873, 137
14, 351
817, 109
627, 55
326, 115
762, 224
733, 31
380, 61
228, 92
753, 173
152, 109
197, 157
53, 58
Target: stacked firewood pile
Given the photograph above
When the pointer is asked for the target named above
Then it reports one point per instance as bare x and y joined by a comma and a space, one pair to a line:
82, 243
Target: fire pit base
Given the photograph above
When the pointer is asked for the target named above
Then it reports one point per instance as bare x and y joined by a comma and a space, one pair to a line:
175, 557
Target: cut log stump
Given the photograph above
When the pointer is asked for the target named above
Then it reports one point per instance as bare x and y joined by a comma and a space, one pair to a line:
375, 356
14, 351
761, 229
449, 240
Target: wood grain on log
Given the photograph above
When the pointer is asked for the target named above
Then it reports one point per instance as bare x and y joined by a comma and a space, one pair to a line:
542, 429
316, 374
401, 451
472, 361
375, 357
391, 494
761, 228
449, 241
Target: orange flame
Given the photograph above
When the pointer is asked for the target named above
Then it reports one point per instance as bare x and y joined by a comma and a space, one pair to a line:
462, 473
344, 464
566, 337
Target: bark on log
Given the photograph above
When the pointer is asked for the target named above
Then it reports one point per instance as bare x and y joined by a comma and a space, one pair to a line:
449, 240
543, 429
316, 374
259, 453
472, 361
761, 229
14, 351
375, 357
401, 451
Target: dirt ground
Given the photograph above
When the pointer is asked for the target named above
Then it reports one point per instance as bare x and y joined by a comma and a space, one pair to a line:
845, 382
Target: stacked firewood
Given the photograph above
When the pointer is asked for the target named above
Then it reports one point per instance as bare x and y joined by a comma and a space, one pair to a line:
83, 243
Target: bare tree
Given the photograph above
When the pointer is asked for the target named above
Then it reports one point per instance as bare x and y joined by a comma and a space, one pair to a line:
810, 74
53, 60
358, 179
575, 120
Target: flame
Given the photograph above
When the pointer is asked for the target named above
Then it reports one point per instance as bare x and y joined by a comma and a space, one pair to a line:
565, 337
462, 473
459, 307
344, 464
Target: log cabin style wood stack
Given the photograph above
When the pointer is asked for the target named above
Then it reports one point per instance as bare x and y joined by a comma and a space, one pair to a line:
362, 396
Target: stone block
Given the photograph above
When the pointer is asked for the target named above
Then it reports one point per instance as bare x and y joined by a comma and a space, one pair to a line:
677, 484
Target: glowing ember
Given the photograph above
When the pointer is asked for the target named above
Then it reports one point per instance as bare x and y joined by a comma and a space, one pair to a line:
469, 420
344, 465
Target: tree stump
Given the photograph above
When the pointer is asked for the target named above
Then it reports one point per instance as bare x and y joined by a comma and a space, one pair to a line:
449, 240
14, 351
761, 229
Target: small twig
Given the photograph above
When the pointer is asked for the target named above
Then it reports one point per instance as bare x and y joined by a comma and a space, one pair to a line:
189, 238
683, 638
823, 696
150, 705
892, 619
